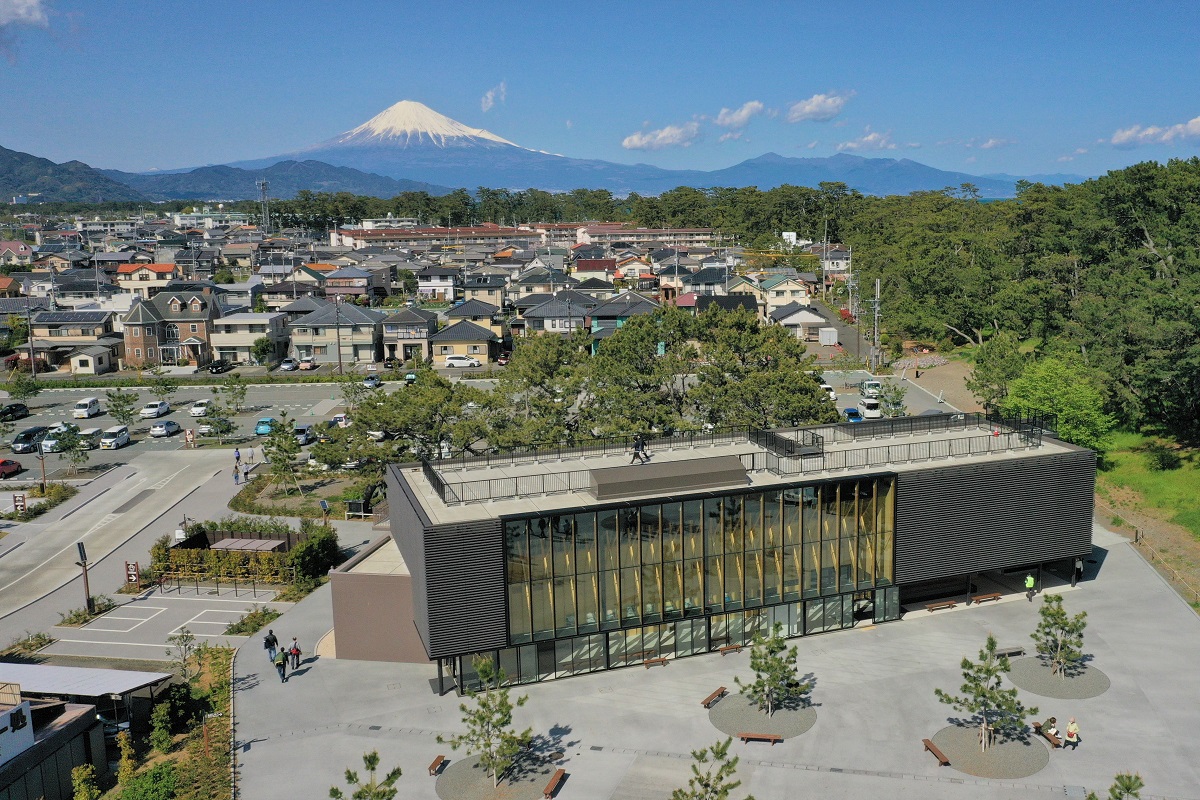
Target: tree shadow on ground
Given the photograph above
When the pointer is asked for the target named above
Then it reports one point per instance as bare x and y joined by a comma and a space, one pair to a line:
543, 752
803, 699
242, 683
1022, 733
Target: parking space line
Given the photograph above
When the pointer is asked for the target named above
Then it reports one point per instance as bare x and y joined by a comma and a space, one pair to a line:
119, 644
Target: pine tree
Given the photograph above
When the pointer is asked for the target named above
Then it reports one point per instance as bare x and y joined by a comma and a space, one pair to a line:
1059, 638
712, 774
1124, 786
120, 405
776, 677
490, 733
373, 789
280, 448
998, 709
160, 384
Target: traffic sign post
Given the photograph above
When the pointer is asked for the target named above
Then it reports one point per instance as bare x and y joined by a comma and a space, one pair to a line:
19, 503
133, 574
87, 592
189, 437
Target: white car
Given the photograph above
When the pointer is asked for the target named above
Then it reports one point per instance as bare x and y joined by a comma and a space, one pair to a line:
168, 427
199, 408
829, 390
51, 443
155, 410
462, 361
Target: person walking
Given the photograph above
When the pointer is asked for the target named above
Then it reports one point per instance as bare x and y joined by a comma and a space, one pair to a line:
245, 473
639, 450
1072, 734
237, 456
294, 651
237, 473
1077, 574
281, 660
1030, 583
271, 645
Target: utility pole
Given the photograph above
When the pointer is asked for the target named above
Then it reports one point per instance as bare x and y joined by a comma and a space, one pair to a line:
337, 325
263, 185
87, 592
32, 355
875, 307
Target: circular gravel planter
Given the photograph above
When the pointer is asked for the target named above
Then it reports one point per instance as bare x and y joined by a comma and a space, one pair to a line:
1082, 682
1016, 758
464, 779
734, 714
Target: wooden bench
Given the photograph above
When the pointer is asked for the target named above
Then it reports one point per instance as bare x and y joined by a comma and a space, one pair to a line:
938, 606
436, 766
762, 737
555, 781
1011, 652
983, 598
650, 662
714, 697
938, 754
1054, 741
730, 648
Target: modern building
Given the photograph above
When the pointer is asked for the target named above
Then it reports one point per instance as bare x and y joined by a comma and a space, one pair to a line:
568, 561
234, 336
339, 333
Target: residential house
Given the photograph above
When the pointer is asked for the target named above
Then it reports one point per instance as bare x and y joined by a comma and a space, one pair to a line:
565, 313
9, 287
198, 263
67, 259
438, 283
467, 339
406, 334
671, 281
355, 283
339, 333
782, 290
595, 288
14, 253
240, 254
172, 327
540, 280
56, 335
706, 281
234, 336
276, 296
804, 321
146, 280
483, 314
610, 316
602, 268
488, 288
239, 297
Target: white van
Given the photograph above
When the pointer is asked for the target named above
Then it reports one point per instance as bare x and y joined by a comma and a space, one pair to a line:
87, 408
90, 438
462, 361
870, 408
114, 438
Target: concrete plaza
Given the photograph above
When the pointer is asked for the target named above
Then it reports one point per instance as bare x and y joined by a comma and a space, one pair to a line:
627, 734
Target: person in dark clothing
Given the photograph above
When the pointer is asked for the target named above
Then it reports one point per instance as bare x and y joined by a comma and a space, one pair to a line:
271, 645
639, 451
281, 659
294, 652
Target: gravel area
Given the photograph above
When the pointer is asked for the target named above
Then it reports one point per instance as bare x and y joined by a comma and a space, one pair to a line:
734, 714
1082, 682
464, 779
1017, 758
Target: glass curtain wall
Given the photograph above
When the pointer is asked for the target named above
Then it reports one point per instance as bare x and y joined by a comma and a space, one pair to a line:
646, 574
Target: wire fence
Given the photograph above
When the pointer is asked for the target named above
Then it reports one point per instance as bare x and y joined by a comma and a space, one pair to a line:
1156, 558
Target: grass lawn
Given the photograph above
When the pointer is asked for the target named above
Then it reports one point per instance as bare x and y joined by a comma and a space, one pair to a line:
1173, 495
285, 501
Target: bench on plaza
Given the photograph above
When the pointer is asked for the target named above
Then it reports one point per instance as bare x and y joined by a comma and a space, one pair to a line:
760, 737
714, 697
938, 606
555, 781
436, 766
730, 648
938, 754
1054, 741
983, 598
650, 662
1011, 652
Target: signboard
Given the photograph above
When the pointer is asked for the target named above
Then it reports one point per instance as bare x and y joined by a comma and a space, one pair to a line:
19, 503
82, 552
189, 436
132, 573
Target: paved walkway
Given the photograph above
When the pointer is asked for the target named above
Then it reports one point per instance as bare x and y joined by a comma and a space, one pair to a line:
628, 733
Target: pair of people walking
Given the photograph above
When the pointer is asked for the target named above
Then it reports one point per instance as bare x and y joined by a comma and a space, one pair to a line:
279, 656
639, 451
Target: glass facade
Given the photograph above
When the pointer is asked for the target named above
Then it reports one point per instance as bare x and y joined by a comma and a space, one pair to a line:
610, 587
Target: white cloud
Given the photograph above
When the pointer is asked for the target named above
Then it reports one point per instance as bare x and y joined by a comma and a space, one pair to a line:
871, 140
728, 135
739, 118
670, 136
1153, 134
993, 143
496, 94
570, 124
971, 159
1064, 159
819, 107
812, 145
19, 12
1080, 150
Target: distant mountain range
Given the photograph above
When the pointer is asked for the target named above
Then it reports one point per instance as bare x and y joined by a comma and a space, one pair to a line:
411, 147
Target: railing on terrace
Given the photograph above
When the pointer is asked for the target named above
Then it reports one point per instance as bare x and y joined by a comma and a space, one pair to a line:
783, 465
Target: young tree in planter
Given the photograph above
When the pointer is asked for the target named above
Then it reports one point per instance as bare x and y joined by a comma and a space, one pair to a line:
234, 389
183, 647
281, 448
1124, 786
121, 405
373, 789
776, 677
891, 399
997, 709
217, 418
160, 384
72, 449
1059, 638
490, 733
711, 781
23, 387
354, 392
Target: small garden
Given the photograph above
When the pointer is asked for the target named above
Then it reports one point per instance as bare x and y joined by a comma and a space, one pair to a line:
263, 497
54, 495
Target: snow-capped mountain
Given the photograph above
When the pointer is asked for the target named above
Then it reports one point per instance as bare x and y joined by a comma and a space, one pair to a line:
412, 124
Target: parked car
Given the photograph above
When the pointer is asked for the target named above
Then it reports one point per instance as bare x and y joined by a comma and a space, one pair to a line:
308, 362
372, 382
870, 388
853, 415
264, 426
288, 365
155, 410
87, 408
303, 433
167, 427
503, 359
29, 440
829, 390
9, 467
219, 366
871, 408
114, 438
199, 408
209, 426
410, 378
341, 420
53, 437
391, 362
324, 430
13, 411
90, 438
462, 361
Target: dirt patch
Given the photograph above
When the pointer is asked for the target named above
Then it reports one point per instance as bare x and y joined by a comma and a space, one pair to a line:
948, 381
1171, 549
285, 501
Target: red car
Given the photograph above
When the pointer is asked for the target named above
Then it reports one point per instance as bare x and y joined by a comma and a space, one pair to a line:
8, 467
503, 359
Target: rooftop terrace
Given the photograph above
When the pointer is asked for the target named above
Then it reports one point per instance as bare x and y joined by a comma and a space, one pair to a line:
478, 487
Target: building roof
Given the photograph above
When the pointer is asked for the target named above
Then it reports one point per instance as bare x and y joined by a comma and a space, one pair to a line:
473, 308
348, 272
594, 284
464, 331
252, 316
129, 269
410, 316
69, 317
79, 681
728, 302
339, 315
791, 309
304, 305
627, 304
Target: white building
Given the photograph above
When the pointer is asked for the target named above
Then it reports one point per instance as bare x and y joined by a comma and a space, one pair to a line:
233, 337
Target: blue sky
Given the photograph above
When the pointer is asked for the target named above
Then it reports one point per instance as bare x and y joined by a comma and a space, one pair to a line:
1022, 88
